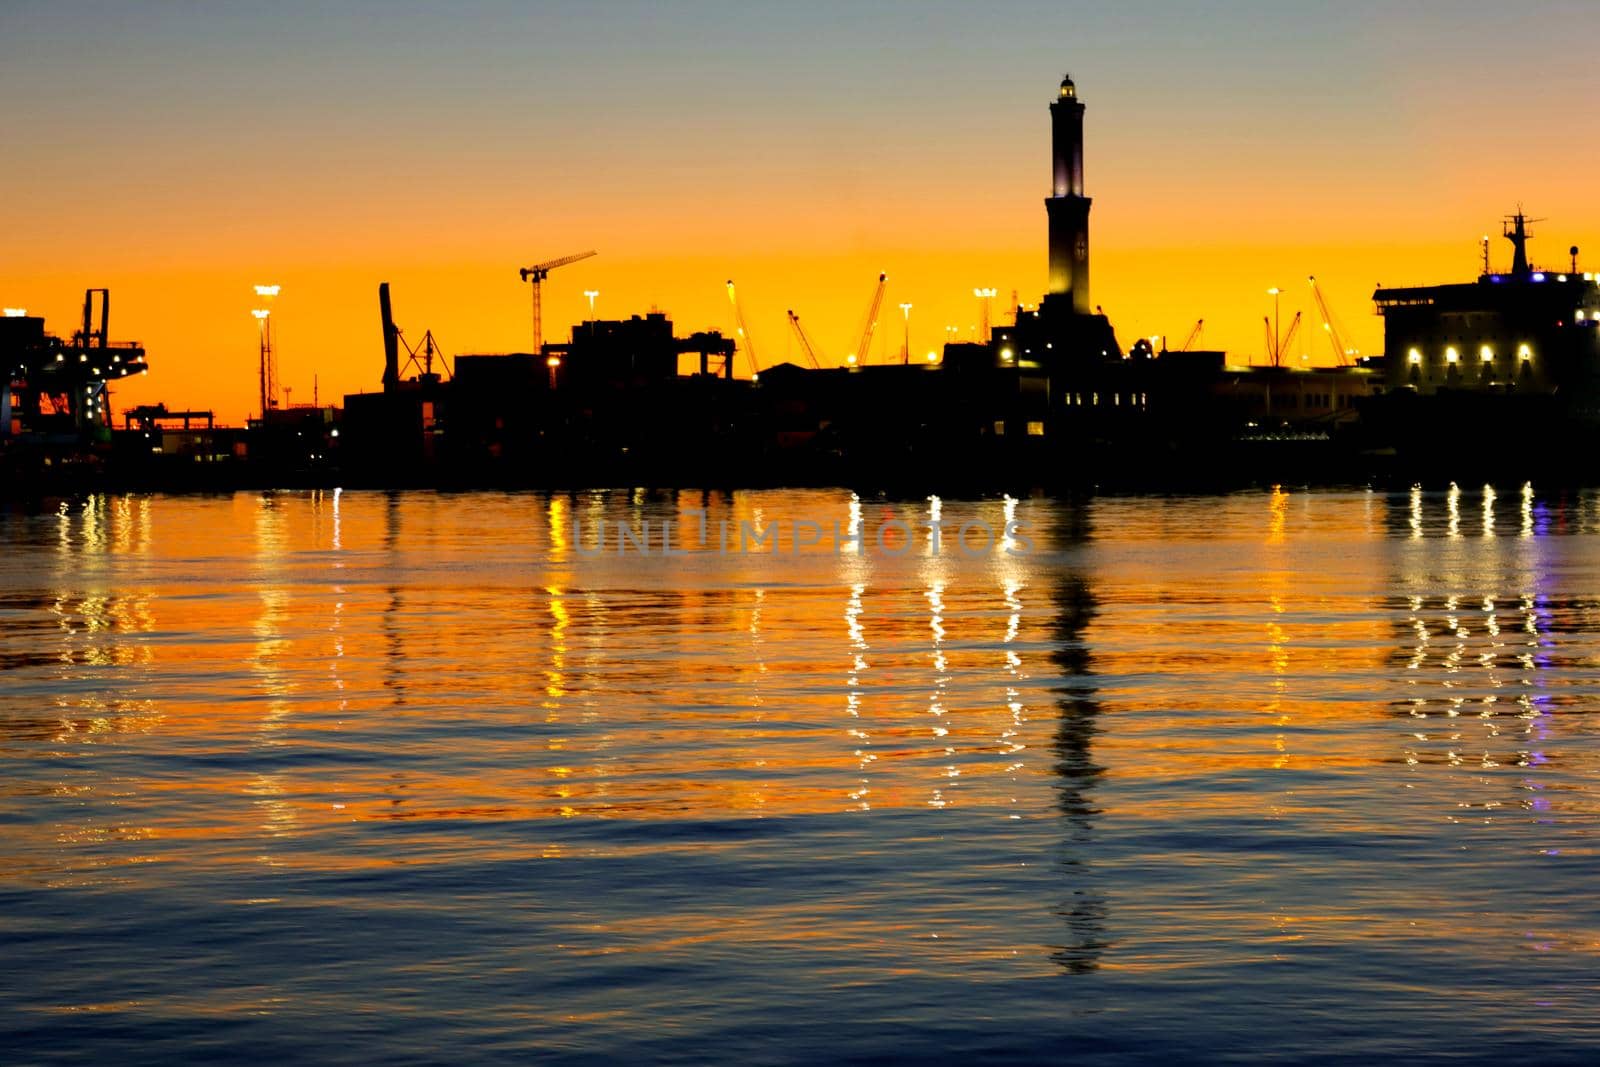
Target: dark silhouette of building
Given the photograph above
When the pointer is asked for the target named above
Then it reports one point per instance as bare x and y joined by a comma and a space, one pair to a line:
1529, 331
56, 390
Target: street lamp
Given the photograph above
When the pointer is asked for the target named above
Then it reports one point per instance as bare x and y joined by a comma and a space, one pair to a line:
591, 294
269, 364
905, 354
1277, 344
985, 295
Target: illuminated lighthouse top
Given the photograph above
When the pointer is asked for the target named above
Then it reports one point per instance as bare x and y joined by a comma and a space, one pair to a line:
1066, 121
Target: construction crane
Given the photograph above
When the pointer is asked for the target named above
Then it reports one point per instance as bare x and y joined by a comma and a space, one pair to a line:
537, 274
1330, 325
1276, 345
863, 350
805, 342
744, 331
1194, 335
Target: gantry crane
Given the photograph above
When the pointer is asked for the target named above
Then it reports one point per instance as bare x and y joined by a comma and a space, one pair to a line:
537, 274
863, 351
1330, 326
805, 342
744, 331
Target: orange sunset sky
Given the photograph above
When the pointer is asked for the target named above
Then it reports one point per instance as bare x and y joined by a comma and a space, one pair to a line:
181, 153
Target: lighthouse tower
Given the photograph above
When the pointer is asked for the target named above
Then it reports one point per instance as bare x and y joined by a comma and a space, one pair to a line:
1066, 207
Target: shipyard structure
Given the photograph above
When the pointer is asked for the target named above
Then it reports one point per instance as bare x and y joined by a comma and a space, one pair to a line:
1051, 397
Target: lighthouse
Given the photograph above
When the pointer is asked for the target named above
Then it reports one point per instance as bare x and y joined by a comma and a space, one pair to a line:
1066, 207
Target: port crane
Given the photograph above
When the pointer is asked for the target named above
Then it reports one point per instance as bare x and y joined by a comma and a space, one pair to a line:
421, 354
744, 331
1275, 344
863, 350
1330, 325
1194, 335
536, 274
805, 342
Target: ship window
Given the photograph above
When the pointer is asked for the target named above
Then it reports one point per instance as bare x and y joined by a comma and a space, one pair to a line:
1035, 429
999, 427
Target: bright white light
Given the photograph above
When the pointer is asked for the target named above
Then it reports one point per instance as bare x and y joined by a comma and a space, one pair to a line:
1538, 277
260, 313
1486, 353
1006, 354
1452, 356
1414, 356
1524, 352
268, 290
15, 313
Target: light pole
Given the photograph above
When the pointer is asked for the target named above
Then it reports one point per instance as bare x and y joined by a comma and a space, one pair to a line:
905, 354
1276, 353
591, 294
268, 370
263, 318
986, 296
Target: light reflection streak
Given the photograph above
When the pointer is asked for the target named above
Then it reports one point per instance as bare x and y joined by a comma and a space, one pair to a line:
857, 641
555, 677
1278, 515
941, 679
268, 661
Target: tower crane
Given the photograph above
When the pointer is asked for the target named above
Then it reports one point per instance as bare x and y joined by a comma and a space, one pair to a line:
1194, 335
537, 274
744, 331
1330, 325
805, 342
863, 351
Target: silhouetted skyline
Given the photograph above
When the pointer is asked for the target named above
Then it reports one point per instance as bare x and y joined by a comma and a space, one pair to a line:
181, 156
